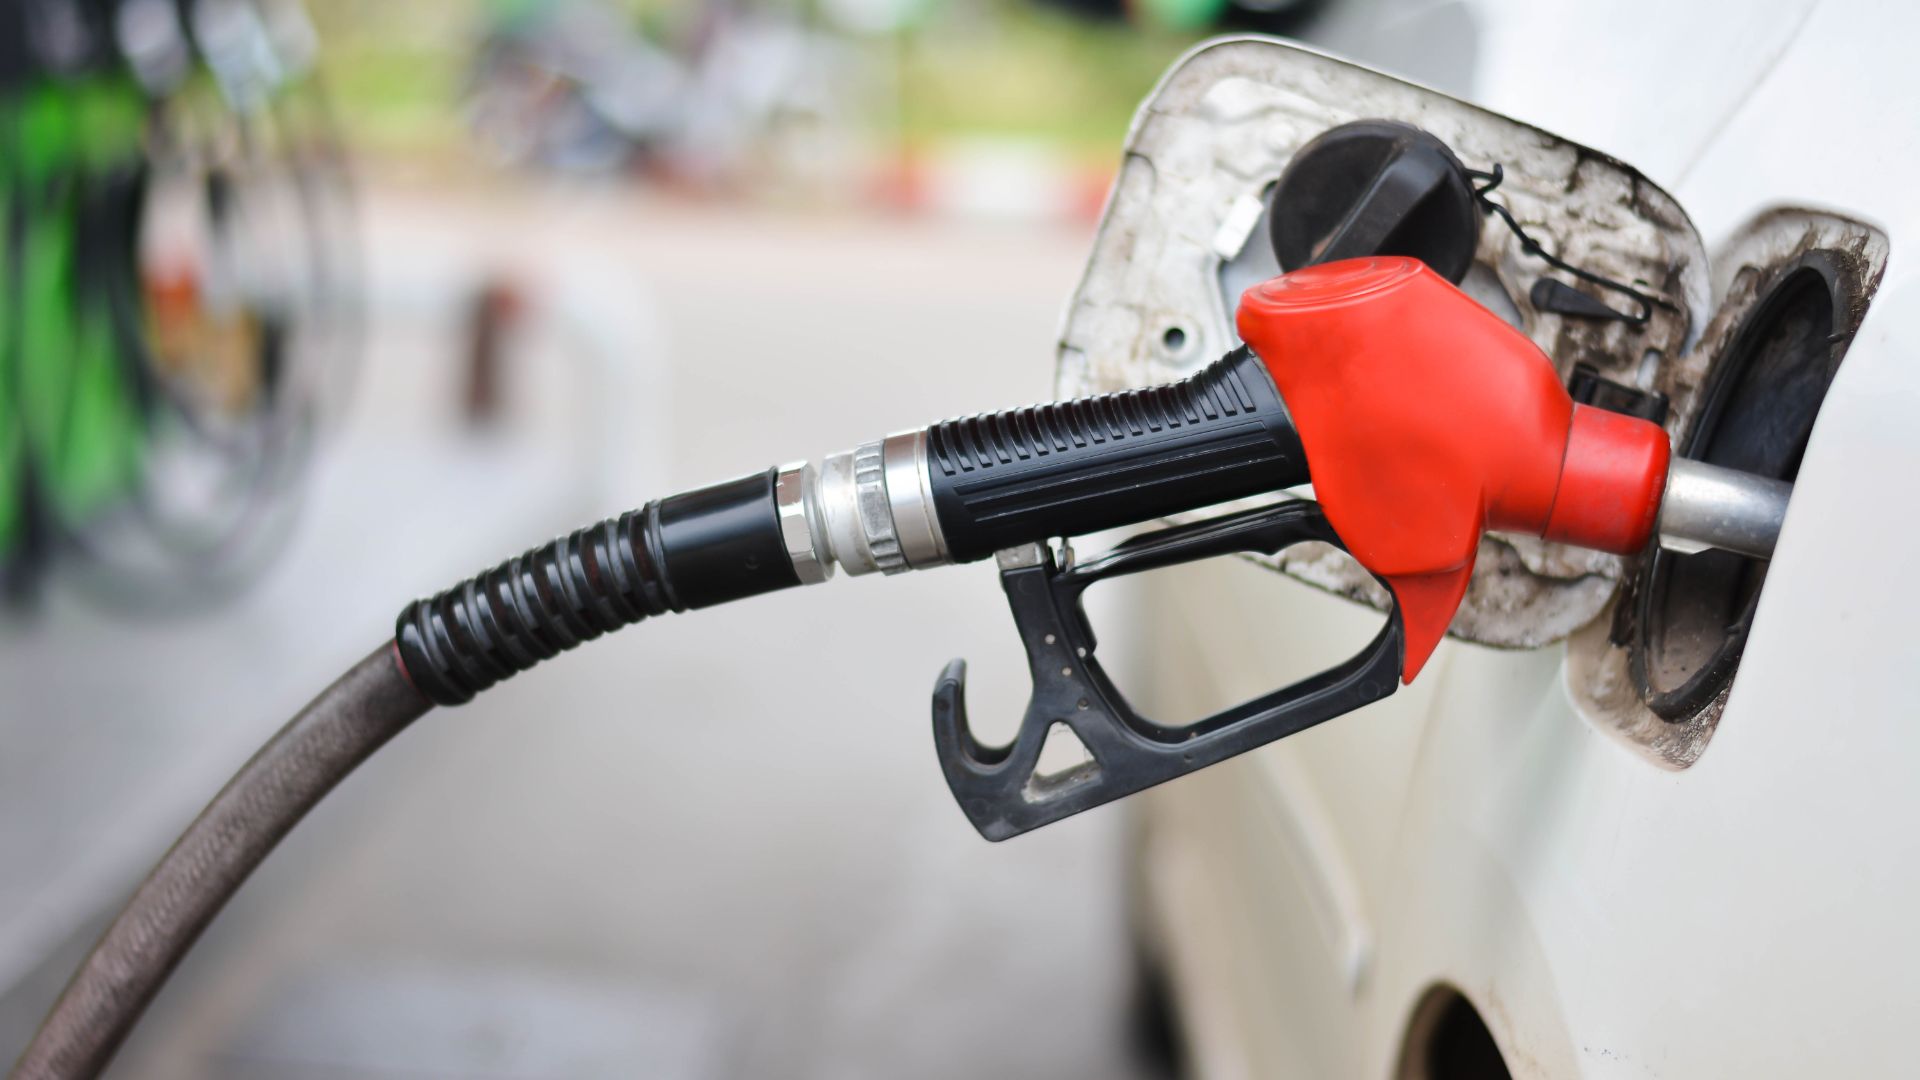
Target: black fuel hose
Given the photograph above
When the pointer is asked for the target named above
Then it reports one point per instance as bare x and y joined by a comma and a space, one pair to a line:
692, 550
992, 481
342, 727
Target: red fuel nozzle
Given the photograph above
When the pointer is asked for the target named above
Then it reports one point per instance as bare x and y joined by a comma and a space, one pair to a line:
1428, 420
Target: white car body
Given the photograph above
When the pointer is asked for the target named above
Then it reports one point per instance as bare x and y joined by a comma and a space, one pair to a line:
1607, 911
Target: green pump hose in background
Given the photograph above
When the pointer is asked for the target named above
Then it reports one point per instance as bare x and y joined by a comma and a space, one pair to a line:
79, 421
175, 292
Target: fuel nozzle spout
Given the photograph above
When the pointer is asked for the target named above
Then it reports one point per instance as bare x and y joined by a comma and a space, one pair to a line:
1707, 506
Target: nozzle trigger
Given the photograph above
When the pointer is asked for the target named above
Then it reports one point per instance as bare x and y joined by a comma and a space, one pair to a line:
999, 788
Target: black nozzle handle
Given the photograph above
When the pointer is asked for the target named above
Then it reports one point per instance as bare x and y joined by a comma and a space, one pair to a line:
1076, 467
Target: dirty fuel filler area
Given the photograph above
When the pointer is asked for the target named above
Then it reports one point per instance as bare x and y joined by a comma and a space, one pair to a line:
1422, 419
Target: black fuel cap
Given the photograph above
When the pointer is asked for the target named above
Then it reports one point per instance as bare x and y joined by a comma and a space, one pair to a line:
1375, 187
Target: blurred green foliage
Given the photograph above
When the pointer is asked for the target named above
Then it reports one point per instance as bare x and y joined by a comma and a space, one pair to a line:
974, 68
1013, 68
69, 418
394, 71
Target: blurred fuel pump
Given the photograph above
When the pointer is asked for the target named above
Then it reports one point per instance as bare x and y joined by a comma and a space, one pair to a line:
1421, 419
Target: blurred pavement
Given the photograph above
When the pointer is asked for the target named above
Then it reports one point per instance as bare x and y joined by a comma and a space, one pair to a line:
713, 846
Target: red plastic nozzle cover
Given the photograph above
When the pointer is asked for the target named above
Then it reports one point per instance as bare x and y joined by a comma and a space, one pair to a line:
1428, 420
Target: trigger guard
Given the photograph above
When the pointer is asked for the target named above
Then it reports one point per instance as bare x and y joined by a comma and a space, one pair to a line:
997, 787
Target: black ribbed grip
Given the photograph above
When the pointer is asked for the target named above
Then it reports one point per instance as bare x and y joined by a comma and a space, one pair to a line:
1075, 467
689, 551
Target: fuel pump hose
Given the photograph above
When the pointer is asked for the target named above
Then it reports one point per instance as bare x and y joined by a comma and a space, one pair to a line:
1430, 420
952, 492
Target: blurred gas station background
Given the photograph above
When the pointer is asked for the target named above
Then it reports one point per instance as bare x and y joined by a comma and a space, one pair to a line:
310, 311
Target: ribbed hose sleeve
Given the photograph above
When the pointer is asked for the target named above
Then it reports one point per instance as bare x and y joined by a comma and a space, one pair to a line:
687, 551
316, 750
533, 606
